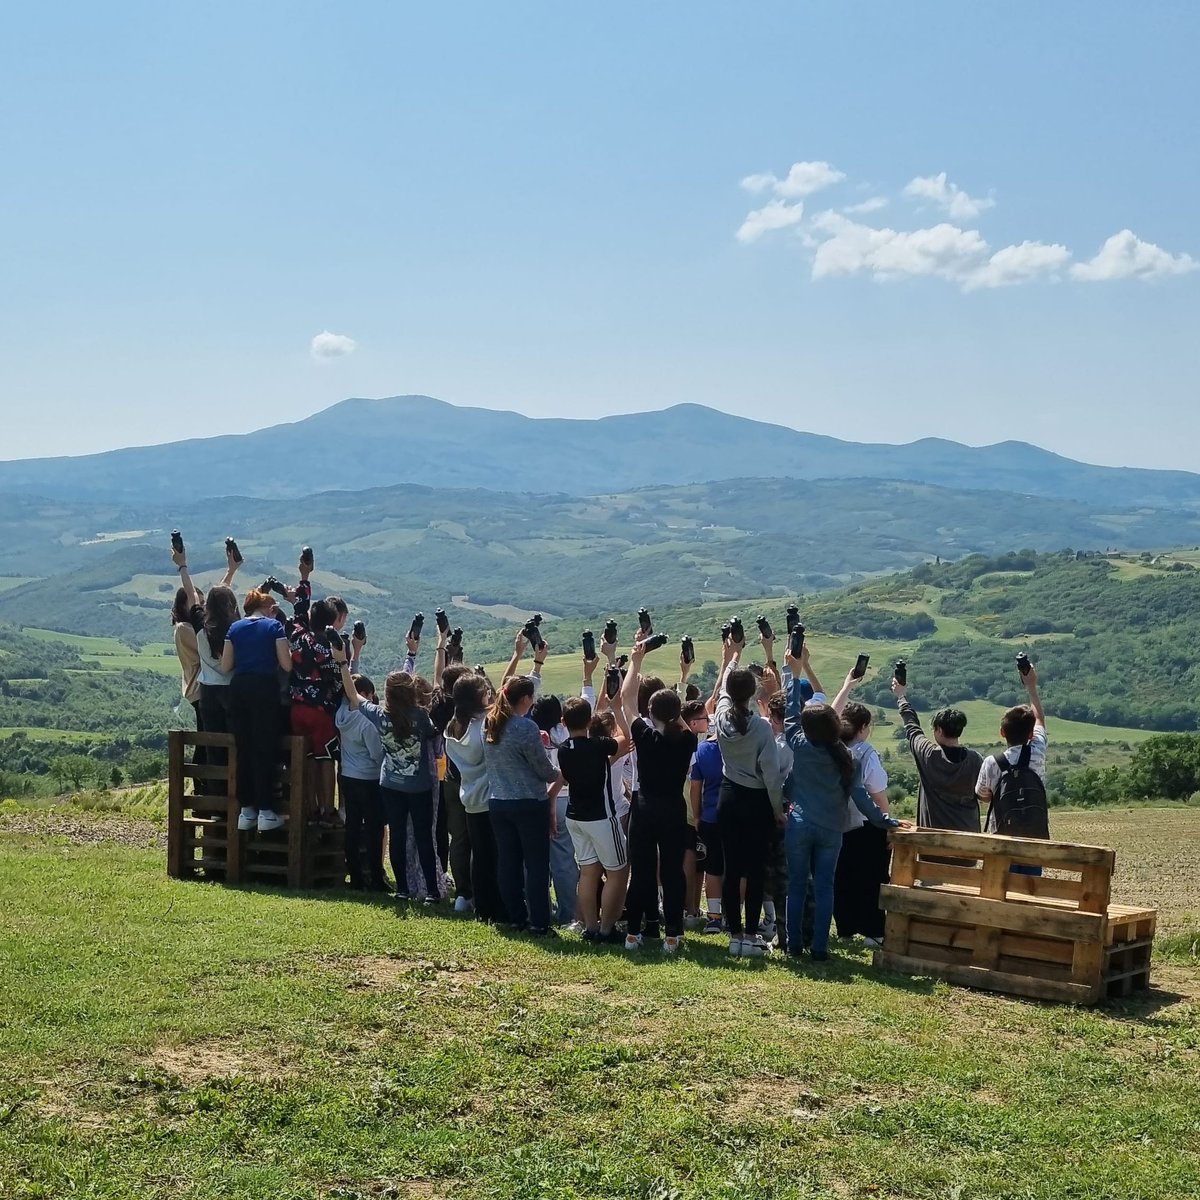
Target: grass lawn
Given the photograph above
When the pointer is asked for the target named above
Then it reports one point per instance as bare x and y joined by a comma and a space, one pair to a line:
185, 1040
111, 654
53, 735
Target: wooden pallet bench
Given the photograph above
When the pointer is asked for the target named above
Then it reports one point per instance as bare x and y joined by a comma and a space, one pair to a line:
204, 842
956, 911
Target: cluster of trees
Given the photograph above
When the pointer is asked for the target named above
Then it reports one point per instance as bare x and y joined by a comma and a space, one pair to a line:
1162, 768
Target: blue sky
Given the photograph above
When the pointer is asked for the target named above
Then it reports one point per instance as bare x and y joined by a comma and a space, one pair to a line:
537, 207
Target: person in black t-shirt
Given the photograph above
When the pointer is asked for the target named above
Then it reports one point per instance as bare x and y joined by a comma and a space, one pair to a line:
658, 824
599, 840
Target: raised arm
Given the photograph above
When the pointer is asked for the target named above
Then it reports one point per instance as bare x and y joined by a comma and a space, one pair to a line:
231, 568
538, 664
1035, 697
518, 653
807, 669
729, 657
629, 686
353, 699
185, 580
851, 682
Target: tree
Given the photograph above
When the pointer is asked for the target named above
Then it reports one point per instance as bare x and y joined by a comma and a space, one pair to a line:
72, 771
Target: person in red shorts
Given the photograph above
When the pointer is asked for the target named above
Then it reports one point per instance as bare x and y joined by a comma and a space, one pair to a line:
316, 690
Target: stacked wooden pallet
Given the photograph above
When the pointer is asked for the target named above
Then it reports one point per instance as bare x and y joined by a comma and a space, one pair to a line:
956, 910
203, 840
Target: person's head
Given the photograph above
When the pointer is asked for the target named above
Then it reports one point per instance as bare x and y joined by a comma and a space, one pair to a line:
364, 687
340, 611
470, 696
547, 713
424, 691
695, 717
664, 709
220, 611
806, 691
1016, 726
648, 686
514, 699
777, 710
577, 716
450, 677
856, 722
948, 726
741, 687
320, 616
181, 606
399, 699
823, 727
690, 693
603, 724
257, 602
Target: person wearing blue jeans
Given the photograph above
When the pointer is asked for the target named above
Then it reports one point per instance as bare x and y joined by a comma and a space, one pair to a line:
825, 774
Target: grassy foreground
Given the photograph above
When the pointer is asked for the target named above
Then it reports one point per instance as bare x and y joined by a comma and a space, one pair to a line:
184, 1040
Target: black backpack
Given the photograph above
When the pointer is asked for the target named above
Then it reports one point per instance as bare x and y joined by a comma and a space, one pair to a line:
1019, 801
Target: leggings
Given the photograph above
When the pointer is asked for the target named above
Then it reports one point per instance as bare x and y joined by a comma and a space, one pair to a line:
257, 726
460, 833
400, 806
522, 831
746, 821
484, 886
363, 806
216, 716
657, 838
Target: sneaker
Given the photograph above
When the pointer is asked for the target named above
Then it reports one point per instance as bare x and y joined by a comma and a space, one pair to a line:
403, 895
820, 956
592, 935
247, 820
341, 815
464, 904
429, 900
547, 931
743, 947
713, 925
762, 944
614, 937
874, 943
768, 931
268, 821
575, 927
633, 941
671, 944
693, 921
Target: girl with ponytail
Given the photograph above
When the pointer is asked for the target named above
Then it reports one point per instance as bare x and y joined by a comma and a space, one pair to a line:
825, 777
519, 772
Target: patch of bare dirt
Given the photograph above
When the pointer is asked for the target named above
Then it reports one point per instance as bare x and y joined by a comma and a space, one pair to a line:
385, 1189
93, 830
217, 1058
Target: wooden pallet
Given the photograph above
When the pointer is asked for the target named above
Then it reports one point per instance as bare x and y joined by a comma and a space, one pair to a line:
204, 842
970, 920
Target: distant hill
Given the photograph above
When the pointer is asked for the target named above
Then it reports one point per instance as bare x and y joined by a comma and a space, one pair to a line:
419, 440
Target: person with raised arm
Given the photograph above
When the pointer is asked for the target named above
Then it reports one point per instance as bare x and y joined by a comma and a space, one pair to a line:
751, 799
522, 817
824, 776
256, 652
658, 825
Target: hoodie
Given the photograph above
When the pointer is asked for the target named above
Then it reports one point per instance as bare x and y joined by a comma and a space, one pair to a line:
466, 753
751, 759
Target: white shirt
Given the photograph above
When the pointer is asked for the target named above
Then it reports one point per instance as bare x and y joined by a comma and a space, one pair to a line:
989, 773
210, 667
875, 779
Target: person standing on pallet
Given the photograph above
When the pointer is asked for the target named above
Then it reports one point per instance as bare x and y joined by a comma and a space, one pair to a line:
948, 770
1013, 784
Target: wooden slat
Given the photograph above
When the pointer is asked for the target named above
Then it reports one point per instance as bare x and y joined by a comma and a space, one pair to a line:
1012, 945
1095, 886
1002, 981
993, 879
904, 863
895, 932
1045, 887
940, 905
204, 771
979, 845
1088, 963
194, 738
297, 797
175, 804
943, 872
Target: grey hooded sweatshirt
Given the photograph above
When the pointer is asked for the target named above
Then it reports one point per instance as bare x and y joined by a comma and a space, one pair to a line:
751, 759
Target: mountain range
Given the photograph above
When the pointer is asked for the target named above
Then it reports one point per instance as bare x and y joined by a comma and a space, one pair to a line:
362, 443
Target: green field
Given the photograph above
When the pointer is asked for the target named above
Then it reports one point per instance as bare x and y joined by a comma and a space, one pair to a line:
180, 1040
111, 654
8, 582
54, 735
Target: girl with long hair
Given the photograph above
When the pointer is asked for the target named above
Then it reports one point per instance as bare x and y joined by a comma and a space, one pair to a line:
315, 689
521, 816
825, 777
471, 695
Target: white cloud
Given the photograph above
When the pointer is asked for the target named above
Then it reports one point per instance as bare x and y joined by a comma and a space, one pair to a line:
1126, 256
873, 204
1019, 264
942, 251
803, 179
949, 197
775, 214
326, 346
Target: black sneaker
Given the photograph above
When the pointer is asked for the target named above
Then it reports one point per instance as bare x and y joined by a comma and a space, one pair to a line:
379, 885
592, 935
547, 931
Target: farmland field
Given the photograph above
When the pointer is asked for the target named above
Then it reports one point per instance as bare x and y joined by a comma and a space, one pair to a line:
185, 1040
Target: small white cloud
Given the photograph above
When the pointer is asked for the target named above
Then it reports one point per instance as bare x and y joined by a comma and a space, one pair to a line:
1126, 256
326, 346
803, 179
775, 214
949, 197
1019, 264
874, 204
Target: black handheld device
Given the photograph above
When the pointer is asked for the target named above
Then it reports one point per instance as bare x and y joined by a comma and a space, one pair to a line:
688, 650
900, 672
644, 623
653, 643
306, 555
860, 667
231, 548
443, 621
532, 633
176, 541
589, 646
796, 640
1023, 664
360, 631
610, 633
793, 617
418, 623
737, 630
612, 681
726, 629
764, 628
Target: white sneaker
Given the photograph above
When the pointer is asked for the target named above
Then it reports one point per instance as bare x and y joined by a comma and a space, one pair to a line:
693, 921
633, 941
464, 905
267, 821
740, 947
672, 944
247, 820
769, 932
874, 943
341, 815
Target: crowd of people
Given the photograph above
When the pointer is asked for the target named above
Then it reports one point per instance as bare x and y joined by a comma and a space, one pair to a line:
636, 810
